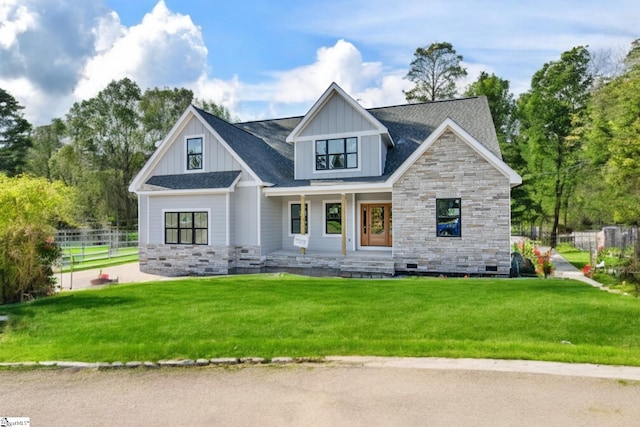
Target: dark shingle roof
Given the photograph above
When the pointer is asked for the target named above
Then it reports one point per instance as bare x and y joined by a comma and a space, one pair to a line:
266, 161
263, 147
194, 181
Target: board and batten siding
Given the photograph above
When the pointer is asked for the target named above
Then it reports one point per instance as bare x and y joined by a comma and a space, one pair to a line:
216, 204
370, 148
216, 157
337, 116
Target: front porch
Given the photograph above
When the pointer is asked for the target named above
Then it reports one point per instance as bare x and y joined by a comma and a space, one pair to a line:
313, 263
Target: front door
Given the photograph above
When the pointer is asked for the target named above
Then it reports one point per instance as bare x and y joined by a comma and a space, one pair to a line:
376, 224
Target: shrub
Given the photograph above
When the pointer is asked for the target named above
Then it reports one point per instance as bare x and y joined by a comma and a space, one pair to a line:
26, 256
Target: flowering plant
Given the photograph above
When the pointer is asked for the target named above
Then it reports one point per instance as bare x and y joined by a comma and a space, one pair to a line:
586, 270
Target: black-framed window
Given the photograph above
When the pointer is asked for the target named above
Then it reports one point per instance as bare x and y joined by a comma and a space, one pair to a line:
449, 217
296, 215
339, 153
186, 228
333, 218
194, 153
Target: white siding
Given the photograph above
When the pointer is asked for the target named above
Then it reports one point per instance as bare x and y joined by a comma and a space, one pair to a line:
370, 148
216, 204
246, 216
337, 116
317, 240
271, 228
216, 157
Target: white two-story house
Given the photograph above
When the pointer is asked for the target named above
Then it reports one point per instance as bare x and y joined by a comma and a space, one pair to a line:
416, 188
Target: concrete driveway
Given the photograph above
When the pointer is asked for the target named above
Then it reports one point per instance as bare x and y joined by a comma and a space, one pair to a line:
125, 273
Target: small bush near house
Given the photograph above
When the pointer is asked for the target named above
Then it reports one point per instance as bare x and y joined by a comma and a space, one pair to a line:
29, 209
26, 256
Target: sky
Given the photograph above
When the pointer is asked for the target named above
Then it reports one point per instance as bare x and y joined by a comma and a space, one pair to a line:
275, 59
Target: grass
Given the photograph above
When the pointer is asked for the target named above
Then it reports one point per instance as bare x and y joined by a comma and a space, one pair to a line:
577, 257
94, 257
282, 315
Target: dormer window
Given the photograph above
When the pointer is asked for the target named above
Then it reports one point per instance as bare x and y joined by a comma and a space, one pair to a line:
339, 153
194, 153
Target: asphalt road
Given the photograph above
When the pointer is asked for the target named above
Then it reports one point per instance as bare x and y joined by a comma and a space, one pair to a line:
315, 395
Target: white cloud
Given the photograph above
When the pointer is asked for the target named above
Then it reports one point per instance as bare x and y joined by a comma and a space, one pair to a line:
14, 20
293, 91
165, 49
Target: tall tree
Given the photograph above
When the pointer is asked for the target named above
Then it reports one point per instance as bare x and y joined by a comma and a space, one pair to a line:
108, 132
160, 109
614, 140
550, 113
46, 140
434, 70
14, 135
503, 109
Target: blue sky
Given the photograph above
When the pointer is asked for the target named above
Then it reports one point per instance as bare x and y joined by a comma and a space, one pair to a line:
273, 59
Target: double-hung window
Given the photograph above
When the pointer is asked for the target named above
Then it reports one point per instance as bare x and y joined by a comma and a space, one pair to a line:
186, 228
333, 218
194, 153
339, 153
448, 217
295, 215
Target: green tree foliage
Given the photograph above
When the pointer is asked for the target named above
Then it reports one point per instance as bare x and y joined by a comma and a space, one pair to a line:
503, 109
14, 135
217, 110
107, 132
46, 140
551, 114
434, 70
29, 208
160, 109
614, 141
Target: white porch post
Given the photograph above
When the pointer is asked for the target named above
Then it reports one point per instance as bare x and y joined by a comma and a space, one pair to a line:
343, 221
303, 215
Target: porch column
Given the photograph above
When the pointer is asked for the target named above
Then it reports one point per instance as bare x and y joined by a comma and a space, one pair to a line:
343, 220
303, 215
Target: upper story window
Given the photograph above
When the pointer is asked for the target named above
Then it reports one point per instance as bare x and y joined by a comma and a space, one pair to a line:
448, 217
339, 153
194, 153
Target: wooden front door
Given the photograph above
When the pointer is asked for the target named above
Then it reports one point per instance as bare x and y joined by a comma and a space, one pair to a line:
376, 224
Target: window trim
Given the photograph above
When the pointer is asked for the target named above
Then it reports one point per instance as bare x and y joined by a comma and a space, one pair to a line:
191, 211
308, 212
344, 169
324, 218
186, 153
441, 233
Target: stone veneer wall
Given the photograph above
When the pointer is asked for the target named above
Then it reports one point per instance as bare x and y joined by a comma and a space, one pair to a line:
196, 260
186, 260
452, 169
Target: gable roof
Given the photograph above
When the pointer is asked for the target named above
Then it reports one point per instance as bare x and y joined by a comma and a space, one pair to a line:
333, 90
266, 149
258, 156
484, 152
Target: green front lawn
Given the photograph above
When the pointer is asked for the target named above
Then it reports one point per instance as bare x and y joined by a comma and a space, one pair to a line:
282, 315
577, 257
